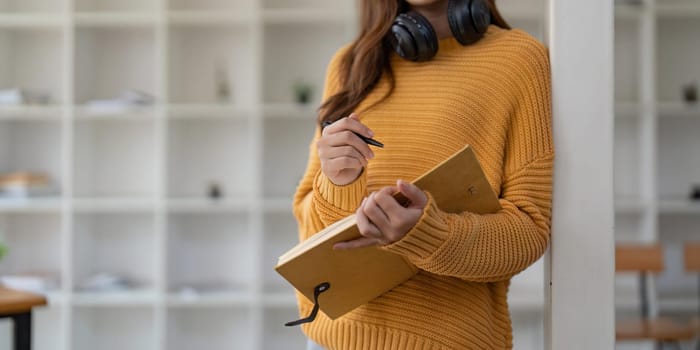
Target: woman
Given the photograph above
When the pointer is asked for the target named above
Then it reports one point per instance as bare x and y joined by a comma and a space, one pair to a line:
489, 88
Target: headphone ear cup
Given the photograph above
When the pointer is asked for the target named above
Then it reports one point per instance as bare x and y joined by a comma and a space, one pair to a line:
468, 19
413, 37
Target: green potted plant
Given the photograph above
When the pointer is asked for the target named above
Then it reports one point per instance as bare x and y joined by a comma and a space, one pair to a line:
3, 250
302, 92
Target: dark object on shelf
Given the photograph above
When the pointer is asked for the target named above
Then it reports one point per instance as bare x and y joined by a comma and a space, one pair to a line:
690, 93
302, 93
215, 191
223, 87
695, 194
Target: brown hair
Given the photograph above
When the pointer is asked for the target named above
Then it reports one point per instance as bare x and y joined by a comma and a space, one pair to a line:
368, 57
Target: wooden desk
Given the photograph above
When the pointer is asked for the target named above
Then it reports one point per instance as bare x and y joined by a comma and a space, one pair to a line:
18, 306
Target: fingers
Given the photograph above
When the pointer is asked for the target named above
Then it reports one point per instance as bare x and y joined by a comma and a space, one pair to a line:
417, 197
385, 199
358, 243
366, 227
375, 214
343, 152
345, 138
351, 123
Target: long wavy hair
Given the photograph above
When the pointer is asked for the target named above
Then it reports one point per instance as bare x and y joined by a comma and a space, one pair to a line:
368, 57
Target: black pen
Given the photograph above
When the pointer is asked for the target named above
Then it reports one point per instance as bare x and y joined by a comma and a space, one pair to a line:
367, 140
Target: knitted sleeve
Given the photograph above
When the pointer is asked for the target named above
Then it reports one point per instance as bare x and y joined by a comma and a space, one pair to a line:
318, 202
494, 247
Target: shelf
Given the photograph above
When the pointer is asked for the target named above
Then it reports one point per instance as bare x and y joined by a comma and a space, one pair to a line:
32, 7
97, 19
221, 6
305, 16
208, 111
210, 328
628, 158
37, 60
286, 143
678, 110
30, 205
280, 235
115, 328
279, 300
526, 299
109, 61
206, 205
677, 52
31, 113
134, 113
209, 251
34, 147
678, 206
116, 299
678, 164
628, 43
115, 159
276, 335
207, 152
207, 300
522, 12
292, 111
211, 64
115, 7
286, 60
113, 204
629, 205
628, 11
208, 18
101, 243
33, 240
685, 10
627, 109
278, 205
39, 20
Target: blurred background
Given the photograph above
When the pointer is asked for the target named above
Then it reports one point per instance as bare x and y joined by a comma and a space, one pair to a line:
149, 150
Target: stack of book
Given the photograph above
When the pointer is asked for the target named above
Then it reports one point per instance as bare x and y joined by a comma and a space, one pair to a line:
24, 185
17, 96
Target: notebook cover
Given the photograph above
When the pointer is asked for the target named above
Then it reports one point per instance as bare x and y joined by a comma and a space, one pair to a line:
357, 276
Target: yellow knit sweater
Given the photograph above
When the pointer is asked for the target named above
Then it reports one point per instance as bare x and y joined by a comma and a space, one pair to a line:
495, 96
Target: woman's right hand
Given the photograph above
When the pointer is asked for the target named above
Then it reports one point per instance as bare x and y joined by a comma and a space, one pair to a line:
343, 154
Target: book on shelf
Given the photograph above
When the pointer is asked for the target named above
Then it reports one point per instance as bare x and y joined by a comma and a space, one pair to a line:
40, 282
24, 185
338, 281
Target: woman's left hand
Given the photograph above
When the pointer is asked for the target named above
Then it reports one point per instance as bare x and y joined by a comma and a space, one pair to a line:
382, 220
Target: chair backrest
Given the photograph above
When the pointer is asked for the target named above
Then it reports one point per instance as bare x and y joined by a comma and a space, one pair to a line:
639, 258
692, 256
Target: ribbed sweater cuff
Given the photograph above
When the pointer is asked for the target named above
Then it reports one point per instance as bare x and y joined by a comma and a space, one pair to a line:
337, 200
425, 237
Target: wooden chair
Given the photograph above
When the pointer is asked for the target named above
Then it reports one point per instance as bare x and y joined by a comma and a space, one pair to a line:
647, 260
691, 254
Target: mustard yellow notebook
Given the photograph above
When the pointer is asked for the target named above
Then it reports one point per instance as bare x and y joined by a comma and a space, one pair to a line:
338, 281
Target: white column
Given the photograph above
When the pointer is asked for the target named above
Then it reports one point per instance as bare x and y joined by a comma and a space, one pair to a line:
579, 273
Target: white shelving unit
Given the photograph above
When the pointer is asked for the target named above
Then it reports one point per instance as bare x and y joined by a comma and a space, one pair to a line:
133, 183
656, 154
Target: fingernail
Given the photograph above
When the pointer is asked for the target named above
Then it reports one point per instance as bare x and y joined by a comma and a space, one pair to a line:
371, 155
371, 133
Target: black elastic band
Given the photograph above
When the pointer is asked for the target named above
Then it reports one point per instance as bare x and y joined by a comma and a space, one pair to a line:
312, 316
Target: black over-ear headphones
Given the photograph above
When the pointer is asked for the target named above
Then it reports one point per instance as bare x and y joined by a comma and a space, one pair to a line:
414, 38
